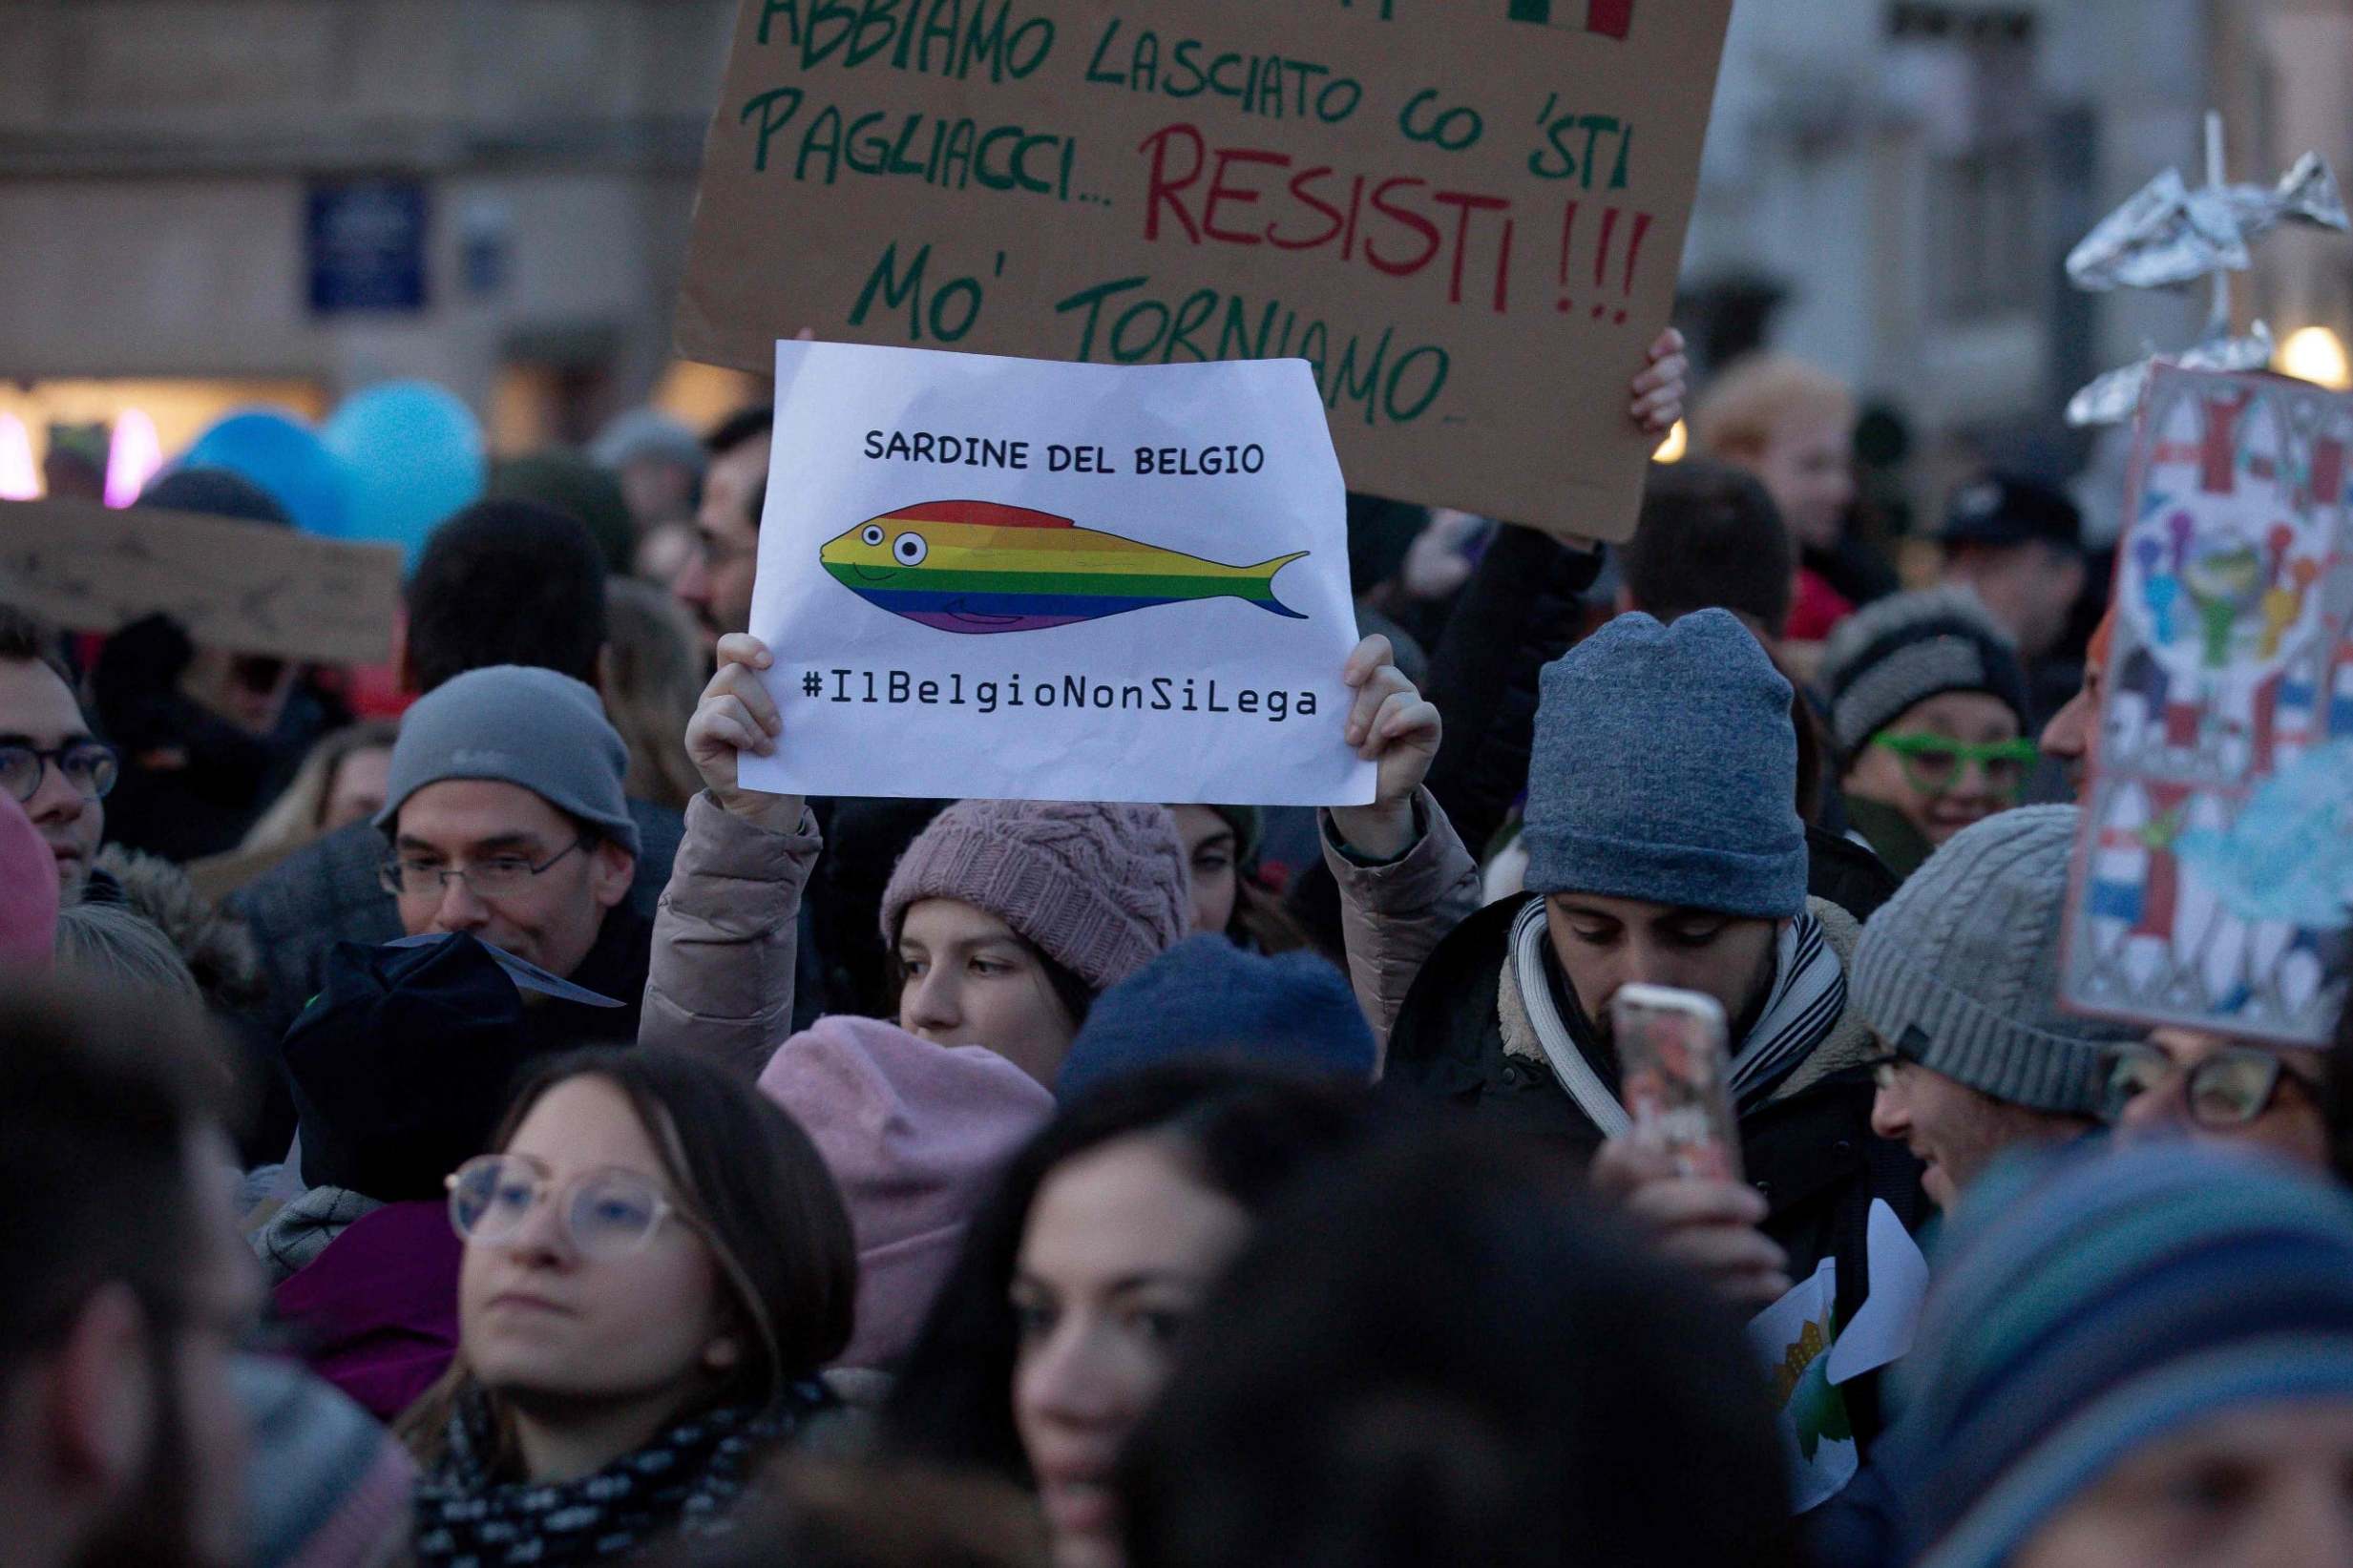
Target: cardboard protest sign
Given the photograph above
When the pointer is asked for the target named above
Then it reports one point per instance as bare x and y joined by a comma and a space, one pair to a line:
999, 577
241, 586
2215, 876
1466, 215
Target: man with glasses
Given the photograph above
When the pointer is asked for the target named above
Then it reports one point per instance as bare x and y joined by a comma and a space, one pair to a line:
1929, 706
506, 820
1958, 978
2220, 1090
50, 762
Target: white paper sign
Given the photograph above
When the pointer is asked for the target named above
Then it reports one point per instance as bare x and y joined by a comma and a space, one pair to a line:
1022, 579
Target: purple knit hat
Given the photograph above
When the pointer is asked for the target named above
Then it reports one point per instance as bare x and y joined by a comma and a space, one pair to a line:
916, 1135
1100, 888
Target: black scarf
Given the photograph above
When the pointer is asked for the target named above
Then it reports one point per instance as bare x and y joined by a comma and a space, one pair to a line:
684, 1482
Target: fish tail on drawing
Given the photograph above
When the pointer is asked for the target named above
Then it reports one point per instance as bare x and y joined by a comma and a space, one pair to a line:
1263, 578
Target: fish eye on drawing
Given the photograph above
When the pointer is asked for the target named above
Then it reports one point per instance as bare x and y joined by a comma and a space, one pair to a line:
873, 534
910, 549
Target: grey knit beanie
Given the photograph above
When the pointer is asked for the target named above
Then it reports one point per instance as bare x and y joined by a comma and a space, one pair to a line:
1904, 649
1960, 971
1101, 889
1665, 768
519, 725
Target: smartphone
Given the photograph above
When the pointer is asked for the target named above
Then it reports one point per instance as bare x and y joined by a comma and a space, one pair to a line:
1671, 1067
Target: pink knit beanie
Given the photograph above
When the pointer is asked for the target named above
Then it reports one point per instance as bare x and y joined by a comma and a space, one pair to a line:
28, 891
916, 1135
1100, 888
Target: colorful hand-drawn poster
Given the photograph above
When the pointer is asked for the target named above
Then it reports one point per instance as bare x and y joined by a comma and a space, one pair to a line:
2215, 876
1016, 579
1465, 216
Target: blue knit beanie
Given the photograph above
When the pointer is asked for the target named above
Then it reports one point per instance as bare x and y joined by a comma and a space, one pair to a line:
1665, 770
2087, 1306
1207, 997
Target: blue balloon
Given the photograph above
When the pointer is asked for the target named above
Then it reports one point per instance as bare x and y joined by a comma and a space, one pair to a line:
413, 454
283, 458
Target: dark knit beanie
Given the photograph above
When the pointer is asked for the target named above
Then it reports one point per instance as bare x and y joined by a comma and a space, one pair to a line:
1889, 656
2087, 1306
1207, 997
1665, 768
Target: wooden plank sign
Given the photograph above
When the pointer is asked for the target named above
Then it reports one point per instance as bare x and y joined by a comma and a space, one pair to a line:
1466, 215
242, 586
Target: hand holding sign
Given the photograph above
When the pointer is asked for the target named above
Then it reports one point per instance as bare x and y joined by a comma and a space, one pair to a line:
736, 715
1395, 728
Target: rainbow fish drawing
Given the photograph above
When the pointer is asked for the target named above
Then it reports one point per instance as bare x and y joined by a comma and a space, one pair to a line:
980, 567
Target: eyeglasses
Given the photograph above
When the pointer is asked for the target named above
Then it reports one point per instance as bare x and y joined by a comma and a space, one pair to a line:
408, 876
608, 1213
2228, 1089
90, 766
1935, 764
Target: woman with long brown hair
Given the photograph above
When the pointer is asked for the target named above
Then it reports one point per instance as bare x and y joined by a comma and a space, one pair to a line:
657, 1265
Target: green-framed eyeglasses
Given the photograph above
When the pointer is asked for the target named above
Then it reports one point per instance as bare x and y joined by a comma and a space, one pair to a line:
1935, 764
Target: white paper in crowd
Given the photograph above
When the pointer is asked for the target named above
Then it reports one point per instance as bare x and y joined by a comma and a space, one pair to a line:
1883, 1324
1020, 580
1793, 1338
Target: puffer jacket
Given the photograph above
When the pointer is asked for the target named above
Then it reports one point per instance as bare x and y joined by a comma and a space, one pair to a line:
727, 939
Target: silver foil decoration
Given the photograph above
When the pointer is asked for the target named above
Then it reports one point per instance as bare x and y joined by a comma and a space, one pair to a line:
2115, 397
2170, 234
2167, 234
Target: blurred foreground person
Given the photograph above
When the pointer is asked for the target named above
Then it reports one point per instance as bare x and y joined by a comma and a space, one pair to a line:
657, 1265
1054, 1333
1439, 1355
126, 1289
2135, 1359
2217, 1089
831, 1515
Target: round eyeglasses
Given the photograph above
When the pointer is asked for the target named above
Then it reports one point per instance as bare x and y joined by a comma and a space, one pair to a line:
90, 766
605, 1213
2229, 1088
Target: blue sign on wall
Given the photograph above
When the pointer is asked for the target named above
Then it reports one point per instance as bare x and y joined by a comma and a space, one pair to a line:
365, 240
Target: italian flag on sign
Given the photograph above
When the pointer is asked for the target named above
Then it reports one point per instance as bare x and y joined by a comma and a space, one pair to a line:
1611, 19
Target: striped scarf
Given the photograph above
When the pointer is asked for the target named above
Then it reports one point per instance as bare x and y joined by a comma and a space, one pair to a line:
1803, 1006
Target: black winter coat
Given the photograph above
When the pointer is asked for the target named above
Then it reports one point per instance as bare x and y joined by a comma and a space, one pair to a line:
1812, 1154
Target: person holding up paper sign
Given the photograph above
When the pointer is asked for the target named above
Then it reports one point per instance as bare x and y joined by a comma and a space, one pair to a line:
1007, 917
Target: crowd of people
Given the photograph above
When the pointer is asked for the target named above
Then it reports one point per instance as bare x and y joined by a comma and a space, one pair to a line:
494, 1134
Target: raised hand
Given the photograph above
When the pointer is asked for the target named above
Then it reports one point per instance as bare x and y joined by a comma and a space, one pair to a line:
1658, 391
736, 715
1393, 725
